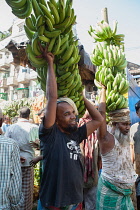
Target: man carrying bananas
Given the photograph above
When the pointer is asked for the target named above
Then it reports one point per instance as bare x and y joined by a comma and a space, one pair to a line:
62, 179
118, 175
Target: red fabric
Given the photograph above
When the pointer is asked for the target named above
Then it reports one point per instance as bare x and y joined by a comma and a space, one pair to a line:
87, 147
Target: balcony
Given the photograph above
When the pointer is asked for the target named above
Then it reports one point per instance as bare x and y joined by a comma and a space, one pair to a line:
12, 81
23, 78
3, 83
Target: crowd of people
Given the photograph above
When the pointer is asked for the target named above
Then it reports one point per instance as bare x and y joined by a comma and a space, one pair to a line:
85, 163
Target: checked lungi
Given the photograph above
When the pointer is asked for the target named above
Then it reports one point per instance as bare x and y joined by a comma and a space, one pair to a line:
27, 187
111, 197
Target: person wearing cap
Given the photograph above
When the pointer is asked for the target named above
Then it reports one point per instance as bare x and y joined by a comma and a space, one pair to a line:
24, 132
11, 196
135, 139
62, 179
118, 175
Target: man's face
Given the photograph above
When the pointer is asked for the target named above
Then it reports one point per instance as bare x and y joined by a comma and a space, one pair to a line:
138, 112
66, 118
41, 117
124, 127
122, 132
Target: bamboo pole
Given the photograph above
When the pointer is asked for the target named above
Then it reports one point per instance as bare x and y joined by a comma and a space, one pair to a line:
104, 15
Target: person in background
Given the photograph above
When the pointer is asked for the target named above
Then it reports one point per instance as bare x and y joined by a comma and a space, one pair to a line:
39, 158
24, 132
90, 153
135, 144
5, 124
62, 179
11, 197
118, 175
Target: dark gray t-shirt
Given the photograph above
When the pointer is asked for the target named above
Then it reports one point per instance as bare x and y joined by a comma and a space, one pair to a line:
135, 137
62, 180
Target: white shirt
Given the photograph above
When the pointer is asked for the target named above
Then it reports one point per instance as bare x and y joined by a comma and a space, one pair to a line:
117, 165
23, 132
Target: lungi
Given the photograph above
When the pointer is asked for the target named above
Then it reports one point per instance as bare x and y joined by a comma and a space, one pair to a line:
27, 187
111, 197
70, 207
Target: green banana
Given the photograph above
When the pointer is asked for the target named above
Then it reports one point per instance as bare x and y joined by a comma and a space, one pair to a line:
40, 21
123, 66
112, 106
26, 13
109, 88
51, 44
35, 47
54, 12
67, 55
33, 18
16, 4
118, 102
61, 7
36, 8
29, 24
122, 85
64, 38
35, 61
64, 24
67, 80
63, 48
41, 30
44, 39
63, 77
66, 85
29, 33
62, 92
47, 13
67, 64
49, 23
120, 106
81, 109
56, 46
51, 34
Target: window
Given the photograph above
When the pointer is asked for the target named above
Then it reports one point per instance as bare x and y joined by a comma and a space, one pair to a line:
21, 27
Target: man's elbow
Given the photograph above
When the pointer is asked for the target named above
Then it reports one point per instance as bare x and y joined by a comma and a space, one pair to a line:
101, 120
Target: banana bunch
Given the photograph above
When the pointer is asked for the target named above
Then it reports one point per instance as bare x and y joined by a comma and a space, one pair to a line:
115, 101
109, 56
20, 8
103, 33
50, 26
69, 84
116, 86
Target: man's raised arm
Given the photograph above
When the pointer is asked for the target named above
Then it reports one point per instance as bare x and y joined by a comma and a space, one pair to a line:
51, 92
97, 119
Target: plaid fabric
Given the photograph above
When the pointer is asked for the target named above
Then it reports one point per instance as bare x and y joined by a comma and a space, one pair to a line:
27, 187
110, 197
71, 207
11, 196
87, 148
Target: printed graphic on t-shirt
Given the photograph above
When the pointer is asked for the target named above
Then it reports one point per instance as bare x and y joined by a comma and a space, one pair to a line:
75, 149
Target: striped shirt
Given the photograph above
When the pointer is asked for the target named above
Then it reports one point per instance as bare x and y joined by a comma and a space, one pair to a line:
11, 196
